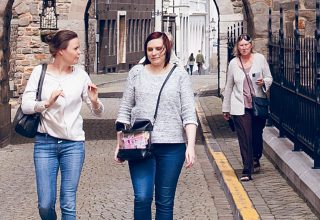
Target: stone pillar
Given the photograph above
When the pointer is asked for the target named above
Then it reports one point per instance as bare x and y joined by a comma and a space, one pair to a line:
5, 108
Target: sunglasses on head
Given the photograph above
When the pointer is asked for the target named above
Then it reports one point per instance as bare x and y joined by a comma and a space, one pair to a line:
244, 37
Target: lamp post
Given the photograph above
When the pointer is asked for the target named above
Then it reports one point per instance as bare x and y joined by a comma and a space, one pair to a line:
48, 18
155, 13
108, 3
212, 29
165, 14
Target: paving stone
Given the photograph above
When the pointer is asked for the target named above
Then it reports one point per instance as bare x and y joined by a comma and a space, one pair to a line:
269, 191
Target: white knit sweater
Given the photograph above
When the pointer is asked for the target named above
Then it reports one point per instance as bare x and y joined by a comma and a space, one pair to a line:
176, 108
62, 119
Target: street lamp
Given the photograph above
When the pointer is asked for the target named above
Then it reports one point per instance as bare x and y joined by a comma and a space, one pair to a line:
155, 13
165, 14
165, 5
108, 3
212, 31
48, 18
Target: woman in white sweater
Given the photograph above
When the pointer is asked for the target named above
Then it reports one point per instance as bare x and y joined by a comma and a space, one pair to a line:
59, 143
248, 74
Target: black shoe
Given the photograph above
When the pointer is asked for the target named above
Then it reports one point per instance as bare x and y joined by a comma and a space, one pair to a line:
256, 166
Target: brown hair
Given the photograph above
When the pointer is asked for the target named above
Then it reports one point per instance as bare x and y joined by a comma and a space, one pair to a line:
245, 37
60, 40
166, 44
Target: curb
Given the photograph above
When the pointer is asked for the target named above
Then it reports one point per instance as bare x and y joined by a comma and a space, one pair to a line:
296, 166
113, 81
240, 203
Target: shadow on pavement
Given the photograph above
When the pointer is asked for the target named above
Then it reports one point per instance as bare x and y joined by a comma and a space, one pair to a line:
205, 93
218, 126
111, 95
95, 129
99, 129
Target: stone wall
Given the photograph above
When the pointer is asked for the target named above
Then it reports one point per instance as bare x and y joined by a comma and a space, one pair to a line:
27, 49
5, 107
307, 16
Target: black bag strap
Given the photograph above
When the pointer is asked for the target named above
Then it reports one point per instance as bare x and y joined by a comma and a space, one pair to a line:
40, 83
158, 101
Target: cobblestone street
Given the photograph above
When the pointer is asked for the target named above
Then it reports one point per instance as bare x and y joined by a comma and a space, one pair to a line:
105, 187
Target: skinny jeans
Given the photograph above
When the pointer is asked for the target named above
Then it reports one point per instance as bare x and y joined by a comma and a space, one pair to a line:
159, 174
50, 155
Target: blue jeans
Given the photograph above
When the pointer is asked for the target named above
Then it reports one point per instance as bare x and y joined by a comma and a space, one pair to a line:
160, 172
50, 154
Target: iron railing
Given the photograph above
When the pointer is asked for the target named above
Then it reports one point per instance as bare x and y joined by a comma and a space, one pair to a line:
232, 34
294, 95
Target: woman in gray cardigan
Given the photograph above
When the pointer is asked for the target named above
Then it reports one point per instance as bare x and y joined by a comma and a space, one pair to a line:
248, 74
174, 131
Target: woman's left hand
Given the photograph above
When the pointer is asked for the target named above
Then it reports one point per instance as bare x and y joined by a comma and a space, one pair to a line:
260, 82
190, 156
93, 92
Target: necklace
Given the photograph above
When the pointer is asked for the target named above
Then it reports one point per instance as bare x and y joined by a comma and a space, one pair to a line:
247, 62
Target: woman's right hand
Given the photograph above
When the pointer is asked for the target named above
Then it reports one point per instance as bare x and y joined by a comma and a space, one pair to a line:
119, 134
54, 96
226, 115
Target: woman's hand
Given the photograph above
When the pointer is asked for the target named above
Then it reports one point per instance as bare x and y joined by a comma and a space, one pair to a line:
260, 82
119, 135
92, 92
226, 115
191, 130
190, 155
53, 98
93, 95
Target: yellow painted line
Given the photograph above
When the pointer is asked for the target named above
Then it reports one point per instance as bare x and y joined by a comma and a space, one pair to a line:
239, 195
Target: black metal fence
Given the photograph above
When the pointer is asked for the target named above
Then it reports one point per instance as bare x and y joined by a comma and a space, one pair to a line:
295, 99
233, 33
295, 93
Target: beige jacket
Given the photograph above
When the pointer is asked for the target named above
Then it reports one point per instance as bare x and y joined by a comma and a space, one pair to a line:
233, 101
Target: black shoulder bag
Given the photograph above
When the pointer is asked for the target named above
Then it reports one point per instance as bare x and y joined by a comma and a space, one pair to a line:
136, 140
259, 104
27, 124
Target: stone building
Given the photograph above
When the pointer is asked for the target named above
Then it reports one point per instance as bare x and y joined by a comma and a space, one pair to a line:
26, 48
123, 27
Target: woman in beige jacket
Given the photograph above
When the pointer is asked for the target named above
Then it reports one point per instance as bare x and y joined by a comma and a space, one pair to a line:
252, 77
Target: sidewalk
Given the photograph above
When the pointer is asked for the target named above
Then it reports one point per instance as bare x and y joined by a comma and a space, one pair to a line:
269, 194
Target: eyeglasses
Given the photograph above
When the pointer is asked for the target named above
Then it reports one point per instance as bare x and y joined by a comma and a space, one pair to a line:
244, 37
